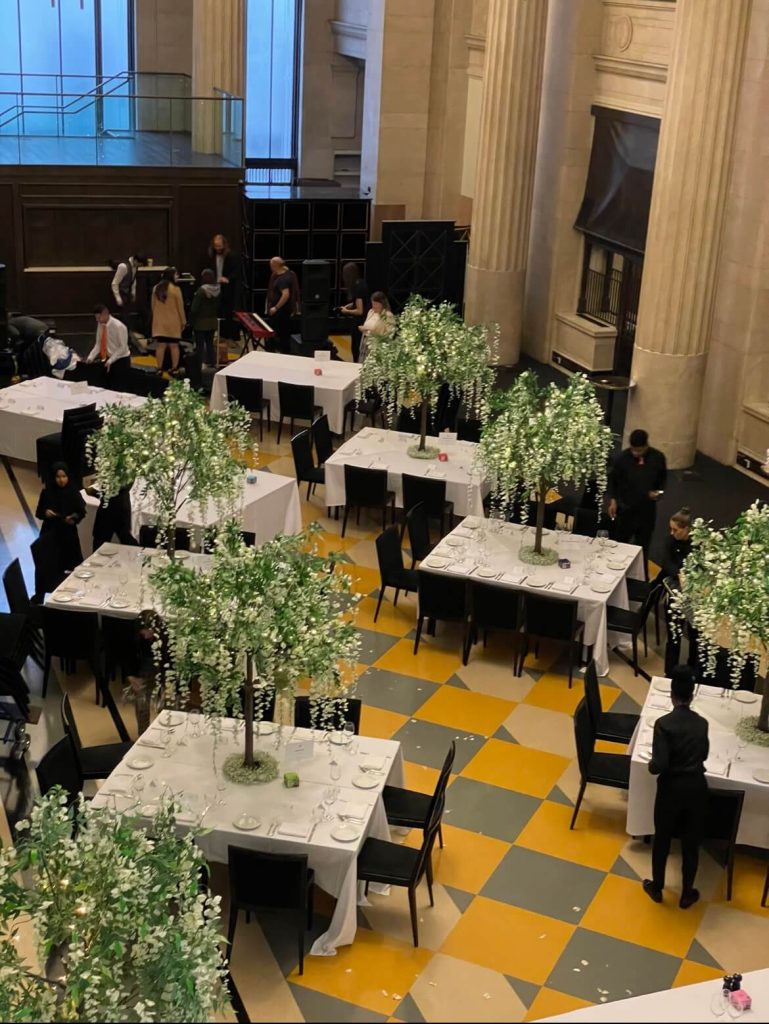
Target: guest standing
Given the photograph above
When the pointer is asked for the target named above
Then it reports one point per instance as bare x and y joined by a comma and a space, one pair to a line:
358, 304
282, 301
111, 347
168, 319
380, 322
636, 481
226, 267
114, 520
61, 507
204, 314
679, 751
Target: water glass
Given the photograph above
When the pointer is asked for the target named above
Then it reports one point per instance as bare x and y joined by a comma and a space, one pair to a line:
335, 771
349, 731
138, 784
193, 717
602, 536
329, 798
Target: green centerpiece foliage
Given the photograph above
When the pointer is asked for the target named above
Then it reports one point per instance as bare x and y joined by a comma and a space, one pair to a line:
123, 931
431, 346
538, 437
177, 449
725, 594
261, 619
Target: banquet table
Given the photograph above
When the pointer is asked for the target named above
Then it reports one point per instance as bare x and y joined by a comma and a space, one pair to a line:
334, 387
33, 408
268, 507
486, 550
387, 449
723, 769
189, 772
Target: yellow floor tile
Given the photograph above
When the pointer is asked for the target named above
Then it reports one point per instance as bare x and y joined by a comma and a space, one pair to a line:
508, 939
594, 842
690, 973
393, 621
661, 926
463, 709
552, 731
380, 723
548, 655
549, 1003
431, 663
605, 747
734, 939
467, 860
515, 767
362, 581
748, 884
376, 965
458, 991
420, 777
552, 692
329, 543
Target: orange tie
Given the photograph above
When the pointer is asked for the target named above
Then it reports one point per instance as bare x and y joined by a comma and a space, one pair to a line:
103, 343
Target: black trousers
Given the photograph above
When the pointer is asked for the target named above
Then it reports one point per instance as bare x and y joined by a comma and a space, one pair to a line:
118, 374
281, 324
679, 810
636, 526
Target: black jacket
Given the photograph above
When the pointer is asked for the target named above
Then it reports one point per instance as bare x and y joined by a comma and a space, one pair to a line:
631, 479
676, 552
681, 744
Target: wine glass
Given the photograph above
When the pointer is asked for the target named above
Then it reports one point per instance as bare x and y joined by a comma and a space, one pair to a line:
317, 815
193, 717
169, 743
335, 771
138, 784
328, 800
221, 785
348, 731
602, 536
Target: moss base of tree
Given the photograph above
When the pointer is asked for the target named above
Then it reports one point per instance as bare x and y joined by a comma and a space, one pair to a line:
528, 555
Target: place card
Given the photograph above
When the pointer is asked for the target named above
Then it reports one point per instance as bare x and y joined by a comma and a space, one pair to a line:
299, 750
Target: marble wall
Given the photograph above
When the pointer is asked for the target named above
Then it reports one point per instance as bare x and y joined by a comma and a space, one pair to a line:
164, 36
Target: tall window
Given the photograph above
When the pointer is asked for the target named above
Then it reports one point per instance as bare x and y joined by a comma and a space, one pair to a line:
62, 59
272, 76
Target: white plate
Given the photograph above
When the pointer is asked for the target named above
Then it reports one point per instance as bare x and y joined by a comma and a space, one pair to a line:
602, 588
139, 763
108, 549
645, 755
435, 563
181, 555
761, 775
454, 542
246, 823
169, 721
84, 574
366, 781
533, 581
486, 573
149, 810
610, 543
97, 561
265, 728
662, 688
614, 564
341, 739
745, 697
63, 598
469, 525
345, 833
118, 602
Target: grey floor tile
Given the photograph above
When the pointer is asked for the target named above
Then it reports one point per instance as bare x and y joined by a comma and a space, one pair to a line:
427, 743
392, 691
456, 681
557, 796
503, 734
525, 990
323, 1009
622, 868
625, 705
500, 813
539, 883
408, 1011
374, 645
461, 898
618, 969
700, 955
282, 935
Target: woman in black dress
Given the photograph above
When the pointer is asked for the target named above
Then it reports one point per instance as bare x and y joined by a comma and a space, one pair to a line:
677, 547
61, 507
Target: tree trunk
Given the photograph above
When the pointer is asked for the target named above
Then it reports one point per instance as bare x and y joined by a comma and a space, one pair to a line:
171, 536
141, 689
248, 711
540, 517
423, 424
763, 715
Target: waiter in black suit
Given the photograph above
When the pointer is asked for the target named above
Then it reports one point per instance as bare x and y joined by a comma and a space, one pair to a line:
226, 267
636, 481
679, 751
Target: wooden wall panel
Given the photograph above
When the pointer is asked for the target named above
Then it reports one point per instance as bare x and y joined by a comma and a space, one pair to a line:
90, 235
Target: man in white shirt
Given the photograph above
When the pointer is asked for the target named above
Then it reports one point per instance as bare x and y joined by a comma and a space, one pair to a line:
124, 281
111, 347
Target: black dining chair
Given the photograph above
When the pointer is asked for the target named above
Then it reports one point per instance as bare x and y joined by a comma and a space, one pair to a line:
469, 430
586, 522
408, 808
431, 495
366, 488
51, 448
492, 607
49, 570
297, 402
418, 529
59, 767
632, 623
550, 515
369, 405
19, 603
321, 438
638, 591
304, 467
72, 637
600, 769
276, 881
392, 572
333, 713
441, 598
551, 618
394, 864
722, 823
14, 699
613, 726
98, 761
148, 537
250, 394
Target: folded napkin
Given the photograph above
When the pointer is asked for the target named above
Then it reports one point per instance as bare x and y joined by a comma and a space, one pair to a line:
148, 742
513, 577
373, 763
356, 810
109, 789
460, 567
660, 705
297, 829
716, 767
565, 586
461, 531
438, 473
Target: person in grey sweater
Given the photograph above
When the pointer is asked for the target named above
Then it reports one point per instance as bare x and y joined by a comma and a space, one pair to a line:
204, 315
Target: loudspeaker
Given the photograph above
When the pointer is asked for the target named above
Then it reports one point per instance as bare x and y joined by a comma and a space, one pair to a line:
316, 281
314, 321
3, 309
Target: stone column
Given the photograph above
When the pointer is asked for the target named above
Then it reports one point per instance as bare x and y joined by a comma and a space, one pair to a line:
691, 181
499, 243
218, 61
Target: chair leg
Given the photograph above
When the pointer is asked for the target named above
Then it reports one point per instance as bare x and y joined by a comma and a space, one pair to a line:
309, 489
310, 906
765, 893
646, 649
395, 599
233, 923
344, 521
635, 654
46, 671
300, 938
379, 602
657, 623
418, 637
571, 662
440, 835
582, 785
413, 909
729, 873
429, 877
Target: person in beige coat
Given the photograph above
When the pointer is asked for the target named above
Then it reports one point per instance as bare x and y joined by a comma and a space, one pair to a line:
168, 318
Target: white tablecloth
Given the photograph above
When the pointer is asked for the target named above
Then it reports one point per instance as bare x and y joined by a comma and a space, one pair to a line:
685, 1004
387, 449
33, 408
496, 546
189, 772
333, 389
268, 507
723, 714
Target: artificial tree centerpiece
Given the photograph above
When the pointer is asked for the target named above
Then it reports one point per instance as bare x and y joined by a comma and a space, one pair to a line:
177, 450
259, 620
538, 437
122, 929
724, 593
431, 347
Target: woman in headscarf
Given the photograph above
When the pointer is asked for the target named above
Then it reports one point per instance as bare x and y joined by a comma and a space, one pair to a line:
61, 507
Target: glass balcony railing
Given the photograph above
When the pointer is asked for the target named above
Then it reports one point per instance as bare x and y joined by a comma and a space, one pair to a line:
125, 120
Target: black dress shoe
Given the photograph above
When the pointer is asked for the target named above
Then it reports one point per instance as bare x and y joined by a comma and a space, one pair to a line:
651, 891
688, 898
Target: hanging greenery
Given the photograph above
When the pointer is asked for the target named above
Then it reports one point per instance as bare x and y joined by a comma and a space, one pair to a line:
431, 347
725, 594
260, 620
538, 437
123, 931
178, 450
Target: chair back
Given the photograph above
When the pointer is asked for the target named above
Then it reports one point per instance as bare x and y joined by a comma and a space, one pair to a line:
296, 400
428, 838
468, 430
584, 737
334, 712
14, 686
389, 555
16, 589
550, 514
365, 487
70, 634
245, 392
48, 568
148, 537
419, 532
69, 725
653, 595
321, 436
586, 522
425, 491
408, 420
593, 695
549, 617
59, 767
491, 606
257, 879
441, 597
71, 417
723, 813
301, 450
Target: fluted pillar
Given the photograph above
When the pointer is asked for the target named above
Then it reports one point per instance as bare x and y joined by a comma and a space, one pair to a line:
691, 180
218, 61
499, 240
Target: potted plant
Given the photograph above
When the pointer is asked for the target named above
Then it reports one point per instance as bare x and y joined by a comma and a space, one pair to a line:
123, 931
538, 437
259, 621
430, 347
177, 449
725, 595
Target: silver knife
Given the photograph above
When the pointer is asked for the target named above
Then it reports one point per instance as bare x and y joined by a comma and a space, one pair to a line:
312, 832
